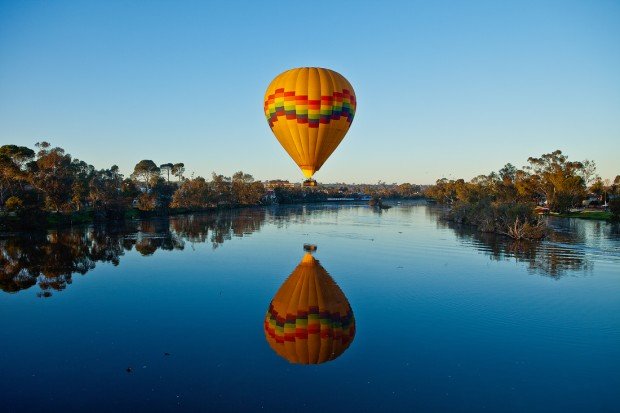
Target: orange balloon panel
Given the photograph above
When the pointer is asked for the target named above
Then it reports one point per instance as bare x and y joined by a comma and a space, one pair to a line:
309, 321
309, 110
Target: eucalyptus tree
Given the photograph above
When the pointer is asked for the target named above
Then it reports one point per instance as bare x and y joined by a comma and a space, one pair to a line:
193, 194
52, 174
561, 181
146, 172
178, 169
13, 170
166, 168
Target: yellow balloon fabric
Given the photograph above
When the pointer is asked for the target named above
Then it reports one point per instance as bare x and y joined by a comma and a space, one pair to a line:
309, 321
310, 110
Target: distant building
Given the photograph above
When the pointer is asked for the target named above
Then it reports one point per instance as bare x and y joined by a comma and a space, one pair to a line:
279, 183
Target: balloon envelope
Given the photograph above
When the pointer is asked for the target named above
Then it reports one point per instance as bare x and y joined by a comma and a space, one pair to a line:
309, 321
309, 110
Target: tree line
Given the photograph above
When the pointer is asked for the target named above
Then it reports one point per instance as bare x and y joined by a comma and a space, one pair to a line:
505, 201
49, 180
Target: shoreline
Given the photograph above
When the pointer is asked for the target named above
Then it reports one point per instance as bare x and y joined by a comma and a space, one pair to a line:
51, 220
47, 221
592, 216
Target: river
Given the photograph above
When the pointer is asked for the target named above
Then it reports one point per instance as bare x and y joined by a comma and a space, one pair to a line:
192, 313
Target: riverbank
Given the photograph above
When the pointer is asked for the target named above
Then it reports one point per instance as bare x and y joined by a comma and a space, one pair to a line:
49, 220
593, 215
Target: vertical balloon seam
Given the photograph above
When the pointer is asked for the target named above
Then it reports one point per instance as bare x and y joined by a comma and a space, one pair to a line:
314, 97
338, 131
284, 123
327, 343
344, 86
323, 130
301, 331
302, 113
307, 323
291, 78
287, 144
324, 127
333, 135
316, 133
293, 313
308, 136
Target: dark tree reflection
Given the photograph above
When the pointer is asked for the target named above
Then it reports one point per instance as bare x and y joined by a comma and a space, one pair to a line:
50, 259
218, 228
554, 257
561, 252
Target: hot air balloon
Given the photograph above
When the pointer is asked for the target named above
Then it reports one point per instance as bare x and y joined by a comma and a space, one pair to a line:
309, 110
309, 321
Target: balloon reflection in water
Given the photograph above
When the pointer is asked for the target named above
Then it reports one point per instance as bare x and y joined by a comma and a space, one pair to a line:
309, 321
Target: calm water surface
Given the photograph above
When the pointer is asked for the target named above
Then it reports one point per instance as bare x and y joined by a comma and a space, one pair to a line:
170, 315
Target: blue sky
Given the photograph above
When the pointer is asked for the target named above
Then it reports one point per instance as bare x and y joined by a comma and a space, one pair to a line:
449, 89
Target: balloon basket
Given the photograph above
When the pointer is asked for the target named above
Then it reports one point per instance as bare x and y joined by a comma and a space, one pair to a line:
309, 182
310, 247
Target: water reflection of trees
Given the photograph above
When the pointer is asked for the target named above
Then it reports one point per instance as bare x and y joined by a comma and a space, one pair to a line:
50, 259
560, 253
218, 228
548, 257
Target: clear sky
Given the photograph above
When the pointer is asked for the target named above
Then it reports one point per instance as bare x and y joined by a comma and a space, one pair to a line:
449, 89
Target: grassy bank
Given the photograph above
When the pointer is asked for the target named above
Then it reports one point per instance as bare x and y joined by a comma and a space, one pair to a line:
595, 215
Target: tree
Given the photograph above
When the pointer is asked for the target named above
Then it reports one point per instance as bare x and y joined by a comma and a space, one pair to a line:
192, 194
164, 191
407, 190
588, 171
615, 187
52, 174
147, 172
442, 191
9, 176
508, 172
560, 181
526, 187
82, 173
147, 202
106, 194
129, 189
597, 187
244, 191
221, 189
13, 173
166, 168
178, 169
19, 154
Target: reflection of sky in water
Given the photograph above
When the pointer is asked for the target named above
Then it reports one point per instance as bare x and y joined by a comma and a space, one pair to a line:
446, 318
